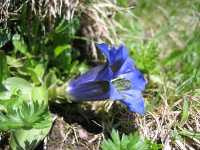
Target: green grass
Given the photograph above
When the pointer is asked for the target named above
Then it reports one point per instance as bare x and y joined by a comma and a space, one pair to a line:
163, 39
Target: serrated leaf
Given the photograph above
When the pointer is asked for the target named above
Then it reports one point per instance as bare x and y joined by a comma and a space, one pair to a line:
128, 142
124, 142
14, 84
115, 138
26, 115
40, 94
28, 139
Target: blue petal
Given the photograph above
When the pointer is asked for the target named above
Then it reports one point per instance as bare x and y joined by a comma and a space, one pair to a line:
118, 55
136, 78
127, 66
96, 90
114, 55
104, 48
114, 93
122, 53
134, 101
105, 74
101, 72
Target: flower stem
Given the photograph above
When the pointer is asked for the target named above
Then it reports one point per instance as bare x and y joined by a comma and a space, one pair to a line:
59, 93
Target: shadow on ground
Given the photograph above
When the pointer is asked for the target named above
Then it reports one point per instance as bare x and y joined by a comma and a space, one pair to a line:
77, 126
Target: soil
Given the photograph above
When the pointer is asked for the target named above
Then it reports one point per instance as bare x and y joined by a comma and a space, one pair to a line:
74, 129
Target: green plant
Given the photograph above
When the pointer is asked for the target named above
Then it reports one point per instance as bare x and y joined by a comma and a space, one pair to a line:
128, 142
24, 112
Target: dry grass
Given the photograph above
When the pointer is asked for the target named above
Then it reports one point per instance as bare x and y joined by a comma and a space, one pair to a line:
165, 125
42, 8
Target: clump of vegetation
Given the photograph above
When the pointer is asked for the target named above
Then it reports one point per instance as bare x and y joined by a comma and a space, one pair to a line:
130, 142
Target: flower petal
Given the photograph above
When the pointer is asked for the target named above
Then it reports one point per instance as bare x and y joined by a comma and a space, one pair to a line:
134, 101
96, 90
114, 93
105, 74
101, 72
136, 78
127, 66
122, 53
114, 55
104, 48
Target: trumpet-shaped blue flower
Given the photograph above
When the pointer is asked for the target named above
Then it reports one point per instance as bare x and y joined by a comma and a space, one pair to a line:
118, 79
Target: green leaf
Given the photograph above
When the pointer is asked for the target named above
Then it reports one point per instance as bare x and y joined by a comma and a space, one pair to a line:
3, 68
25, 115
28, 139
39, 70
185, 112
124, 142
15, 84
59, 49
36, 73
128, 142
29, 125
50, 79
13, 62
190, 134
115, 138
19, 44
40, 94
135, 142
173, 56
4, 94
146, 56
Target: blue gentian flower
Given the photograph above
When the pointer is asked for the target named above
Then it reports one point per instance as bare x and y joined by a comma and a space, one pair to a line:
118, 79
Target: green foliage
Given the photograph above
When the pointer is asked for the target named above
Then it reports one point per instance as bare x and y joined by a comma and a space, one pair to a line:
44, 45
24, 112
14, 83
42, 55
128, 142
38, 55
146, 56
185, 112
27, 139
3, 67
19, 44
164, 41
189, 60
25, 116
